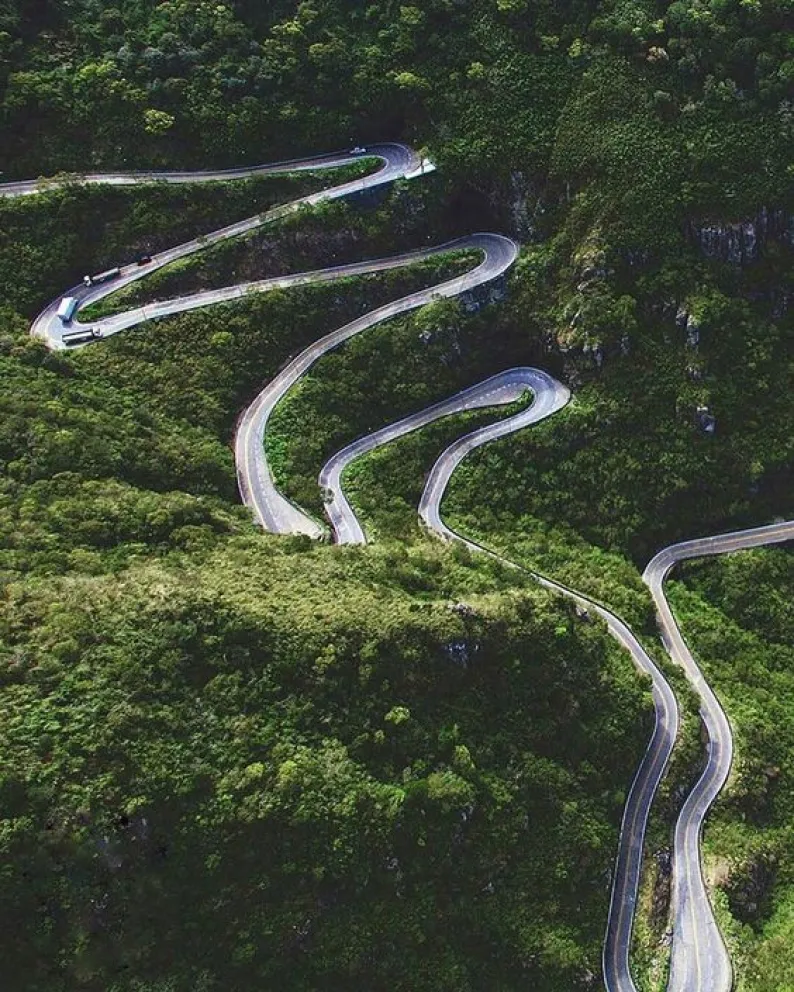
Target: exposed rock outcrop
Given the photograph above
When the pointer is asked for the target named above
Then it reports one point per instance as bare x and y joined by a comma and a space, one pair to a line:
744, 242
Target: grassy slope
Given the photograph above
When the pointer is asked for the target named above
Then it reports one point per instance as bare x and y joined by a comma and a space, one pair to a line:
195, 713
54, 238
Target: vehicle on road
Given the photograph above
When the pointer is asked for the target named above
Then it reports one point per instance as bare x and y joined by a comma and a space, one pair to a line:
83, 336
143, 258
358, 150
66, 309
106, 276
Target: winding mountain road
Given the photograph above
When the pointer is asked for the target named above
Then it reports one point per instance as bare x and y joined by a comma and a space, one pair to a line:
699, 960
397, 162
273, 510
503, 388
549, 397
28, 187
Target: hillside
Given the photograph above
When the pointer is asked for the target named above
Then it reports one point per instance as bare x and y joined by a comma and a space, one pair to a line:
234, 760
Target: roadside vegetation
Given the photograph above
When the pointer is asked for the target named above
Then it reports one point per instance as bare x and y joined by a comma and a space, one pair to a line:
234, 761
306, 736
123, 565
54, 238
737, 614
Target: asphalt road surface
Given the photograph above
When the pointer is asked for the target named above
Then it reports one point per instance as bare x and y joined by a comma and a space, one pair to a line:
506, 387
27, 187
398, 162
699, 960
549, 397
273, 510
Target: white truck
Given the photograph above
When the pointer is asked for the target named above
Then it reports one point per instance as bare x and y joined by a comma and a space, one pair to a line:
67, 308
83, 336
105, 276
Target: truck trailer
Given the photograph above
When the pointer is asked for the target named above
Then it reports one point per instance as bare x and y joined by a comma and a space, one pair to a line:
67, 308
83, 336
105, 276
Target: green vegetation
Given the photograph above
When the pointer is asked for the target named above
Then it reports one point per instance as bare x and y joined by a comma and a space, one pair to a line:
736, 612
88, 439
306, 738
281, 241
385, 486
376, 379
54, 238
231, 761
195, 713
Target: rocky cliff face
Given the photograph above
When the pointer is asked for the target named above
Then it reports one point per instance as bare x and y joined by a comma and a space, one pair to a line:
743, 242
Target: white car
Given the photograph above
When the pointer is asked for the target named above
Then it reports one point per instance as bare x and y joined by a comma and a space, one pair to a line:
358, 150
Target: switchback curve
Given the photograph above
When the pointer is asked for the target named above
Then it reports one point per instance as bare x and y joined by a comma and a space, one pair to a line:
398, 161
550, 396
505, 387
699, 958
271, 509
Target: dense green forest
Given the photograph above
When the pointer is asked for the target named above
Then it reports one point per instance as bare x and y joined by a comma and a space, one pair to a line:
346, 756
287, 767
230, 760
738, 615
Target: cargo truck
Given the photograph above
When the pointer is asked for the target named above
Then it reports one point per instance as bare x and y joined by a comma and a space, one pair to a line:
105, 276
83, 336
67, 308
